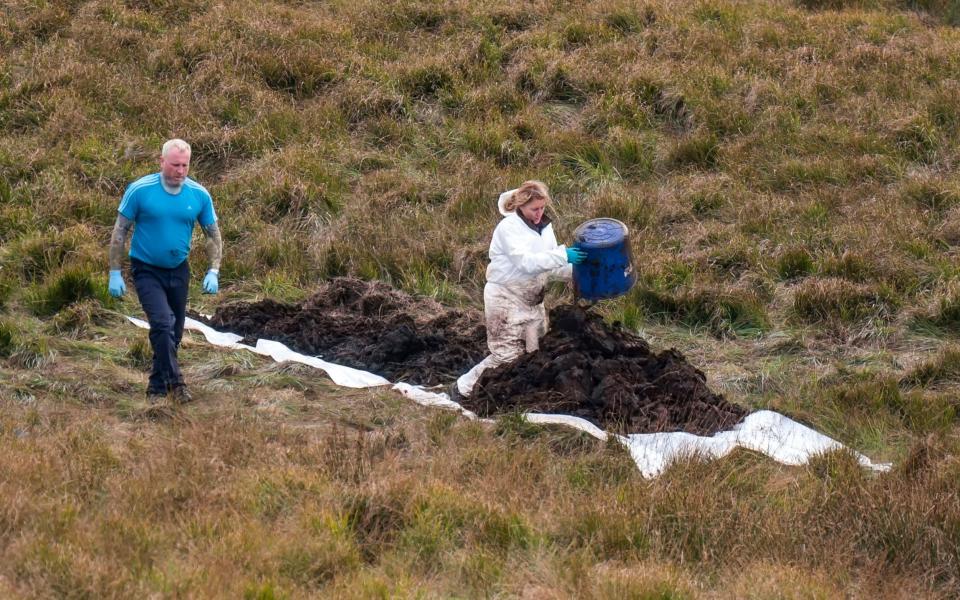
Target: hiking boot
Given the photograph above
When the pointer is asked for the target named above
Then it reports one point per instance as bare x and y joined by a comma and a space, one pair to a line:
181, 394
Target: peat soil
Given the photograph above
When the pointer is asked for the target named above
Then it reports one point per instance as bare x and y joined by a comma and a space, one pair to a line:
367, 325
607, 376
584, 367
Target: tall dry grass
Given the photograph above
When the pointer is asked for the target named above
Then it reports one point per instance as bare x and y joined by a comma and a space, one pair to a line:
788, 171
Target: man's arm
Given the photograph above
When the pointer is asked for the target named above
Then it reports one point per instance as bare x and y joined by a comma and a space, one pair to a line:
118, 241
214, 245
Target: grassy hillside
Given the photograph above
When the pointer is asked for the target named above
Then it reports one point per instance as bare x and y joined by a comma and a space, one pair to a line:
790, 172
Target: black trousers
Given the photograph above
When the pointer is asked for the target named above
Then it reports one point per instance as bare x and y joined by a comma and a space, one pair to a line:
163, 296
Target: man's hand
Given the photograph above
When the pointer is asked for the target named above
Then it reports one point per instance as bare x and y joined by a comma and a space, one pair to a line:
211, 282
117, 287
575, 256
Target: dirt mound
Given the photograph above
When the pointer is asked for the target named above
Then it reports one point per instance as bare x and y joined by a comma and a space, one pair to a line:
584, 367
608, 376
369, 326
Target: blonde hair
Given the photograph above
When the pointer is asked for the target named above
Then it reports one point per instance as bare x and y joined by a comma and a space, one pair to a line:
529, 191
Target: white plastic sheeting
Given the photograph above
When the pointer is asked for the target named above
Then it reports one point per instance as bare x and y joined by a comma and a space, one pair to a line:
345, 376
765, 431
768, 432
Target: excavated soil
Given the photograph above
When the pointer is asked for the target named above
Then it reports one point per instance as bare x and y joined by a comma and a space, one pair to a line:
605, 375
585, 367
369, 326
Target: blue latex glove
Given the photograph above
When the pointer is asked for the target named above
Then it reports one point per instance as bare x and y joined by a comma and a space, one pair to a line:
575, 256
211, 282
117, 286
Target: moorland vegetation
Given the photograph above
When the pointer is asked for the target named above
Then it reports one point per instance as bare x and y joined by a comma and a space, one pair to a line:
789, 171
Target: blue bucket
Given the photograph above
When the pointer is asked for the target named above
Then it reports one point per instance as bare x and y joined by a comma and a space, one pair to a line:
608, 270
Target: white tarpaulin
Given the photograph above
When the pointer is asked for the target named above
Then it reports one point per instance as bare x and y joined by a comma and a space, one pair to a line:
765, 431
340, 375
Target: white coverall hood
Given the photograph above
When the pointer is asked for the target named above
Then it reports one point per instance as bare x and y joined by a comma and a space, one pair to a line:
502, 202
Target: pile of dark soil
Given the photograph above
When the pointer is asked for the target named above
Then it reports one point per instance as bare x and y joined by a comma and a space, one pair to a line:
585, 367
369, 326
605, 375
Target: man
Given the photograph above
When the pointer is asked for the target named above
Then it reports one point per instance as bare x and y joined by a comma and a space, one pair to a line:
164, 206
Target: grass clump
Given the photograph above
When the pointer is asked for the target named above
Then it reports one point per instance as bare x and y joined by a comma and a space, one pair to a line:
9, 338
699, 150
880, 395
947, 10
839, 4
80, 319
631, 207
917, 140
848, 265
301, 71
734, 259
930, 195
626, 22
706, 203
794, 262
832, 301
66, 288
668, 105
32, 257
944, 315
944, 368
139, 354
7, 288
722, 312
22, 348
427, 82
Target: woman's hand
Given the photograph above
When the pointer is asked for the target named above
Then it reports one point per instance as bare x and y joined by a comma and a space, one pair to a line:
575, 256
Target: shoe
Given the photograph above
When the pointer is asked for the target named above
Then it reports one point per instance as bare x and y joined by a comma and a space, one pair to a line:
454, 392
181, 394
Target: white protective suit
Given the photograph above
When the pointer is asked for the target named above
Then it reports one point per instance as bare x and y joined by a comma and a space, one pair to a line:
521, 263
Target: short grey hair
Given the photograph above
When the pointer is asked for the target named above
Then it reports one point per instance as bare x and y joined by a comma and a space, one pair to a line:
174, 143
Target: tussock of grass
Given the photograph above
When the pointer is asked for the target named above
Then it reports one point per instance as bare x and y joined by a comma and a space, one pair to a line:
81, 319
9, 338
699, 150
139, 355
944, 315
840, 4
66, 288
848, 265
33, 257
734, 259
794, 262
637, 210
931, 194
831, 301
721, 312
944, 367
920, 413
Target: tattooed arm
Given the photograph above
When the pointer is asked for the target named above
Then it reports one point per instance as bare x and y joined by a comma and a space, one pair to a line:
214, 245
118, 241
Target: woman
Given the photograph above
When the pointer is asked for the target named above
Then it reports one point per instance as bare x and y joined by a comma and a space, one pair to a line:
524, 254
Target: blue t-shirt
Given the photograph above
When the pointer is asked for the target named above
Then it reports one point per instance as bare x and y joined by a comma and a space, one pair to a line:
164, 221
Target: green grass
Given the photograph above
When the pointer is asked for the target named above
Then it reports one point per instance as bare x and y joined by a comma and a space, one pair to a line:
719, 312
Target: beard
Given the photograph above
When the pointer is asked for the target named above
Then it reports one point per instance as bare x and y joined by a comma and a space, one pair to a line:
171, 188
